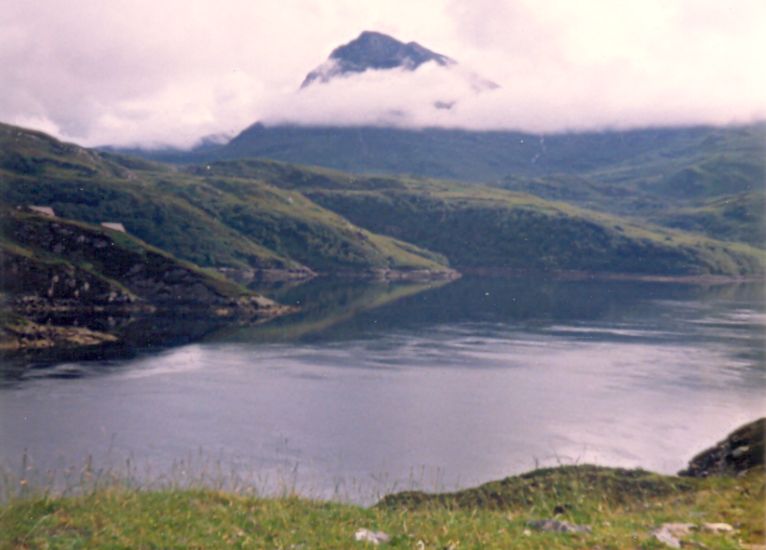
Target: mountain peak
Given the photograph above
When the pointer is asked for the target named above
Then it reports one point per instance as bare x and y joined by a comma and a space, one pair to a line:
373, 50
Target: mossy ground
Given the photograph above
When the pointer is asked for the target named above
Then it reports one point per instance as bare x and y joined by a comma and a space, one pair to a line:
621, 507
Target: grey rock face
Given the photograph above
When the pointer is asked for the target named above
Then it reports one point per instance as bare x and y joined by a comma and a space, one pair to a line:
742, 450
376, 51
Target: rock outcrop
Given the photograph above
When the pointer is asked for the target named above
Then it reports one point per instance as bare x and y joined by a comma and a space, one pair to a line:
57, 276
57, 263
36, 283
742, 450
373, 51
22, 334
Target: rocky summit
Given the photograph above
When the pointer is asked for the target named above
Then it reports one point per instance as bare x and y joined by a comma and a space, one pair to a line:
373, 51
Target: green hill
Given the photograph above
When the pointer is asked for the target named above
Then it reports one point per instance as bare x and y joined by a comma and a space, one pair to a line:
644, 173
719, 191
113, 261
211, 221
617, 508
740, 217
52, 265
478, 227
252, 215
476, 156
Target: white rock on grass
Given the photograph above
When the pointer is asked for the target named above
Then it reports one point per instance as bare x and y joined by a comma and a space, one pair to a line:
666, 538
670, 533
375, 537
718, 527
556, 526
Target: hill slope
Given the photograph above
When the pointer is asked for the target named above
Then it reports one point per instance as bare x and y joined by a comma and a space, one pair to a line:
642, 173
110, 260
483, 227
485, 156
267, 215
211, 221
51, 265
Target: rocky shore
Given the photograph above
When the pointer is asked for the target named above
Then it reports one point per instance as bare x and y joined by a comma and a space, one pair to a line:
741, 451
52, 267
578, 506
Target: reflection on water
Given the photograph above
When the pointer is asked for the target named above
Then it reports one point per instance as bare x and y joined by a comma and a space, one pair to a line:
393, 385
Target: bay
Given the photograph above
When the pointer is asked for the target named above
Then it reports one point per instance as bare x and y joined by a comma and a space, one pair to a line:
372, 388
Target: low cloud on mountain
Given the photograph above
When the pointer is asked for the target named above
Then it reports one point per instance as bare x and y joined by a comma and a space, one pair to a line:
445, 97
139, 72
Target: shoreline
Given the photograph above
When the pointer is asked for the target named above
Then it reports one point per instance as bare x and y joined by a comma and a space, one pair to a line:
575, 506
267, 276
20, 333
567, 275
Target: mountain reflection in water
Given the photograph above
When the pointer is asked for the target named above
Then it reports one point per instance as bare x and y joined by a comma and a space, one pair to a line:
394, 385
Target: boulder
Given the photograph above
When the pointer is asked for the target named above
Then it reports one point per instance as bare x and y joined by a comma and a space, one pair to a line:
375, 537
556, 526
742, 450
670, 534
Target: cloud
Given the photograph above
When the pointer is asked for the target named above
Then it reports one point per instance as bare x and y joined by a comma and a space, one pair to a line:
141, 72
607, 96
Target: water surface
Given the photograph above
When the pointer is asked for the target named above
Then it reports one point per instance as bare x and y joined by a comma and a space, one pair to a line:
378, 387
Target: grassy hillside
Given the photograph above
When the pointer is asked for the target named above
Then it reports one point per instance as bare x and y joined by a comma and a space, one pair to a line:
645, 173
268, 215
721, 194
740, 217
293, 226
54, 267
620, 507
484, 227
117, 259
221, 222
482, 156
80, 184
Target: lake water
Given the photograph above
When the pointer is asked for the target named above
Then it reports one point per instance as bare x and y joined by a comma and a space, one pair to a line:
373, 388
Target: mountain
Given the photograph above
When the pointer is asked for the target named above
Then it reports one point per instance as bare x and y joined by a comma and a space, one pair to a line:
489, 156
705, 179
481, 228
213, 141
373, 51
83, 266
53, 270
650, 173
190, 228
205, 218
58, 262
266, 217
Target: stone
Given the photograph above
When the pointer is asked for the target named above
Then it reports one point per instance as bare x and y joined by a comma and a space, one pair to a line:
375, 537
44, 210
717, 527
556, 526
670, 534
741, 451
114, 226
666, 538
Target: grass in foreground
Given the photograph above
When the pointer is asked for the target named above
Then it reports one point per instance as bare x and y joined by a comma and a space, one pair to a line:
620, 506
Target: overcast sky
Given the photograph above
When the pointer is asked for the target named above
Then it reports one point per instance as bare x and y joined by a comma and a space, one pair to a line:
167, 72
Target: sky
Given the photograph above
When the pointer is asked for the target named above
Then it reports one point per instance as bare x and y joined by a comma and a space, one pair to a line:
148, 73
